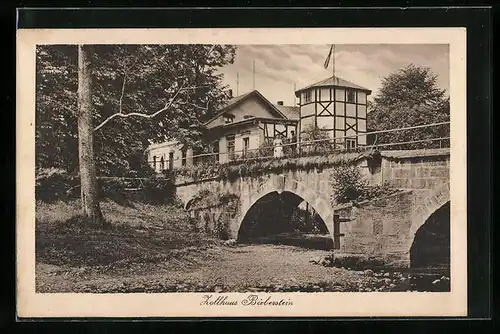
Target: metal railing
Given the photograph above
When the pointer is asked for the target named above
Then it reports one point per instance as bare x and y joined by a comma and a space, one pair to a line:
312, 147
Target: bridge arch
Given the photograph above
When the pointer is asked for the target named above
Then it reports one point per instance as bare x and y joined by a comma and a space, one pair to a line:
436, 199
319, 202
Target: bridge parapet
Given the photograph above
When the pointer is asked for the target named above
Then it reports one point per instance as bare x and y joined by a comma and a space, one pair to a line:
416, 169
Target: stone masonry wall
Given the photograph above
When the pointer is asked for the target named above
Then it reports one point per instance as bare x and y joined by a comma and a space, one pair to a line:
422, 173
380, 229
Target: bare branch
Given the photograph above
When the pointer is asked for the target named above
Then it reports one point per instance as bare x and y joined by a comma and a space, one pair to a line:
167, 105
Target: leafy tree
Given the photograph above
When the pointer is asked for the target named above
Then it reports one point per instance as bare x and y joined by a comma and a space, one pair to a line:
126, 98
410, 97
126, 79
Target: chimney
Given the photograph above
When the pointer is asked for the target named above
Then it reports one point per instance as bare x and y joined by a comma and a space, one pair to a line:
280, 103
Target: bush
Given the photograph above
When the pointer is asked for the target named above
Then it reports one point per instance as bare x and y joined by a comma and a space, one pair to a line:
349, 186
53, 184
347, 183
323, 145
56, 184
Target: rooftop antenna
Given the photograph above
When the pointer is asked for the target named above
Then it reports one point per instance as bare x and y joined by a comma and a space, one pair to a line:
253, 71
294, 98
237, 84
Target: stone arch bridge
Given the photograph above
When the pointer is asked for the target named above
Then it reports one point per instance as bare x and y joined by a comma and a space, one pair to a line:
383, 227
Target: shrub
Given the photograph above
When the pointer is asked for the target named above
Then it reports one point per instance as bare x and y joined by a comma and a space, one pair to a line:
53, 184
323, 145
349, 185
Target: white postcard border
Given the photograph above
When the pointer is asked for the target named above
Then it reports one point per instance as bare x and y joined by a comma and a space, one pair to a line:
323, 304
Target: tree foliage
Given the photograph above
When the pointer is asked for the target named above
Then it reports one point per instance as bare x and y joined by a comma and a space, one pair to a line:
315, 140
349, 185
410, 97
126, 79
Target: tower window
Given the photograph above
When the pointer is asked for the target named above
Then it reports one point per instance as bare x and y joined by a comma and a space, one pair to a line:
351, 97
307, 96
350, 143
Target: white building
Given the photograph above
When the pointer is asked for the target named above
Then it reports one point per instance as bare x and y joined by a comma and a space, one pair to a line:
246, 122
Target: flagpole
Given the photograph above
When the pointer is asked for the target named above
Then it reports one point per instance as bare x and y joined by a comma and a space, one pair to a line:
237, 84
333, 64
294, 97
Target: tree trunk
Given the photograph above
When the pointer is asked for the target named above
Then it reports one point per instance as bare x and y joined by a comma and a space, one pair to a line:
89, 190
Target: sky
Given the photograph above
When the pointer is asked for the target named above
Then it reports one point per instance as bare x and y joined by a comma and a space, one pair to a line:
279, 67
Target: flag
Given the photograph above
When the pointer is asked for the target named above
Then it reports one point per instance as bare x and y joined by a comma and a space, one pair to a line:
327, 61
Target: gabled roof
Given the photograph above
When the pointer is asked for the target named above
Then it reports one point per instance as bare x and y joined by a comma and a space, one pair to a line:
334, 81
289, 111
237, 100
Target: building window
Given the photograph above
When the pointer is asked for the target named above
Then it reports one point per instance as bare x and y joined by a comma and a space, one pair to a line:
215, 149
162, 163
308, 96
230, 147
351, 97
246, 145
350, 143
183, 160
154, 162
228, 119
171, 160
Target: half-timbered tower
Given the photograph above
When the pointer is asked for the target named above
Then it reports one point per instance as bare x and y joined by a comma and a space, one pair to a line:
336, 106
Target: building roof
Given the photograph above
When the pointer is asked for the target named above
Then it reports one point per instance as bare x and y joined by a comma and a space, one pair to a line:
334, 81
290, 112
168, 143
238, 99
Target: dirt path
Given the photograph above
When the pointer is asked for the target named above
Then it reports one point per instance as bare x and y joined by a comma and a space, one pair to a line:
220, 269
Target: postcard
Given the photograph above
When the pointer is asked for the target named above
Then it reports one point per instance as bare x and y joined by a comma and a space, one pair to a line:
305, 172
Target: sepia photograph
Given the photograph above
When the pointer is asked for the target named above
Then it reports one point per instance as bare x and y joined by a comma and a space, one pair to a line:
263, 169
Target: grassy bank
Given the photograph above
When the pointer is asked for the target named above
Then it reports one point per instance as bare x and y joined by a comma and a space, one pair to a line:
139, 233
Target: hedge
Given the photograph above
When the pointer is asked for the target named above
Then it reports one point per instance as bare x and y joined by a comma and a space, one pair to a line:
52, 184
